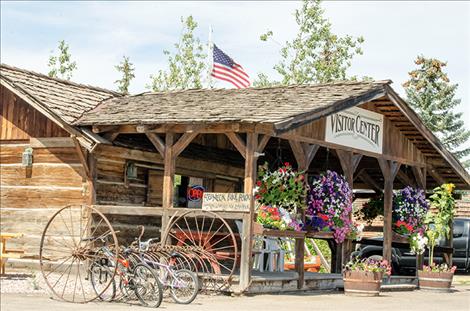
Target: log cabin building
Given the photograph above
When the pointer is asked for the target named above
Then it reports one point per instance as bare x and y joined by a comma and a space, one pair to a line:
37, 112
135, 157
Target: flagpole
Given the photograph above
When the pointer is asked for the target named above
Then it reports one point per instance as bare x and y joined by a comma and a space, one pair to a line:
210, 56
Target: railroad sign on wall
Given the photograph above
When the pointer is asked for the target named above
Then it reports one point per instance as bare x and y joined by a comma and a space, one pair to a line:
235, 202
357, 128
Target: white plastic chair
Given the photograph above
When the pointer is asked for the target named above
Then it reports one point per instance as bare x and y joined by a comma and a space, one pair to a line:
262, 246
275, 254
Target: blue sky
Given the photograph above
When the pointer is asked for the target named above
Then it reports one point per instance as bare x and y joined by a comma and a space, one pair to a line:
99, 33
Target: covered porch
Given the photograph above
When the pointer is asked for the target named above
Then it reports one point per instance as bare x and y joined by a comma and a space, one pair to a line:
217, 139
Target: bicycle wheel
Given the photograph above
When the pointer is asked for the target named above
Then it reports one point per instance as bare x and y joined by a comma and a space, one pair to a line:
148, 288
99, 277
184, 286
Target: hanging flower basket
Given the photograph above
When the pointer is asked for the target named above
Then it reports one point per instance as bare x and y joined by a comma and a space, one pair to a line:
281, 196
409, 211
330, 205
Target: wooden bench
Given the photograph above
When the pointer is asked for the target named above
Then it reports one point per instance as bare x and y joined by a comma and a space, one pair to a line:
5, 253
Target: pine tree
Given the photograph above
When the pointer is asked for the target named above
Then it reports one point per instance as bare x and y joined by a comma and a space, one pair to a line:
126, 68
186, 66
430, 93
316, 54
61, 66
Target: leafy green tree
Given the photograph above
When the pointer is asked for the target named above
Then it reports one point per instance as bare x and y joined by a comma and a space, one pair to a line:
316, 54
186, 66
61, 65
126, 68
432, 96
262, 80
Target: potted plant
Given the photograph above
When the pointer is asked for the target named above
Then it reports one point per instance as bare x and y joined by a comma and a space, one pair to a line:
364, 277
281, 196
434, 276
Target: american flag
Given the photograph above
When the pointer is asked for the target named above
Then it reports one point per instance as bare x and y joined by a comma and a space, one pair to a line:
224, 68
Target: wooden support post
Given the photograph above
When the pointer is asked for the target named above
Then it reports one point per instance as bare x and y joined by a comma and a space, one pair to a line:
448, 257
247, 238
170, 150
304, 154
349, 163
389, 171
299, 261
81, 156
92, 179
168, 180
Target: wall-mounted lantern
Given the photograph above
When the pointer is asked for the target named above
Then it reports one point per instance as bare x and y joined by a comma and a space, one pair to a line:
27, 158
131, 170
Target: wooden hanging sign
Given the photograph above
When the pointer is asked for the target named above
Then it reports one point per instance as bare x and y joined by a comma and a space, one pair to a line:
234, 202
357, 128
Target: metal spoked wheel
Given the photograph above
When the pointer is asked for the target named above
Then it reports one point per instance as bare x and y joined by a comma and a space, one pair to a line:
148, 288
184, 287
99, 277
69, 249
208, 241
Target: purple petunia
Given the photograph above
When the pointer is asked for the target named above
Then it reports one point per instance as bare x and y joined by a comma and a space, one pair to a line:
331, 196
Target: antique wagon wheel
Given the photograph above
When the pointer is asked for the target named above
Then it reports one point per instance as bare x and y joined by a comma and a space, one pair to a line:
209, 239
70, 244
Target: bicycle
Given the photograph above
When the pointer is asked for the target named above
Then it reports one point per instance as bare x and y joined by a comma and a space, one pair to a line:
137, 278
183, 284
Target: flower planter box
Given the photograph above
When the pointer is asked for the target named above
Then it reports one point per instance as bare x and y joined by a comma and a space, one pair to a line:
438, 281
362, 283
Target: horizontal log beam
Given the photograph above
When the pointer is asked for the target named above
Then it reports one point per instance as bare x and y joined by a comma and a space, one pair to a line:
184, 128
157, 211
104, 128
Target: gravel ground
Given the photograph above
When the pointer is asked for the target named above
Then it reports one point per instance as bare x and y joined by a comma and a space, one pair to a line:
25, 291
457, 300
23, 283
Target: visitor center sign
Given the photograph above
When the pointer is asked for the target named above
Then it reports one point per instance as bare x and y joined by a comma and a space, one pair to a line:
356, 128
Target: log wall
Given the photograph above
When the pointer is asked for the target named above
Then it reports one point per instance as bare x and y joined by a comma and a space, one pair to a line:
29, 196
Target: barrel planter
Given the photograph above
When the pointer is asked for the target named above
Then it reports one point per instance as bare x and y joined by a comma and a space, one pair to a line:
438, 281
362, 283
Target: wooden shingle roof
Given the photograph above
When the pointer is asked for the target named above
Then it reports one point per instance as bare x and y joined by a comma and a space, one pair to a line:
283, 107
65, 99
